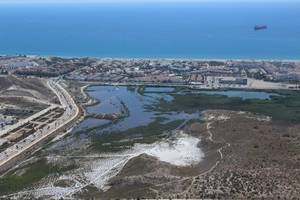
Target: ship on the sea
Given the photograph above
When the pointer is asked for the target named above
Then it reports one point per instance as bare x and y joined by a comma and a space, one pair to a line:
260, 27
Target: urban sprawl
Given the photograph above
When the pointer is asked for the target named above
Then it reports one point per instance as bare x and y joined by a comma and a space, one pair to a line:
196, 73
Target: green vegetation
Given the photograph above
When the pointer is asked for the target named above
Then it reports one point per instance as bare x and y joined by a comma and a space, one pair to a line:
34, 173
141, 90
131, 88
284, 108
115, 141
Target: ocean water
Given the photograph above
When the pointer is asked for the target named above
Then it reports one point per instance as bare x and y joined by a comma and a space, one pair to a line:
153, 30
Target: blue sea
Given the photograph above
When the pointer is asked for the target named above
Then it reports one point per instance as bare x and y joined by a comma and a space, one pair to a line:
152, 30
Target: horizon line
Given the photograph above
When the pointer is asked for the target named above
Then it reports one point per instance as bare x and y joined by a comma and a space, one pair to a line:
56, 2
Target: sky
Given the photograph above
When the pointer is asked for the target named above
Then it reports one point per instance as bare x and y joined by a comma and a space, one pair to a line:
128, 1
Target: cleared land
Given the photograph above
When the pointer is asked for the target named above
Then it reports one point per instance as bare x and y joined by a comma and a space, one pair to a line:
22, 97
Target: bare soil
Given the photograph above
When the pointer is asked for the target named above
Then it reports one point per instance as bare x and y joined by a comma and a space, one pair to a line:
21, 97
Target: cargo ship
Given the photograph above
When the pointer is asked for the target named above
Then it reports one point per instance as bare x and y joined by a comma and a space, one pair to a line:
260, 27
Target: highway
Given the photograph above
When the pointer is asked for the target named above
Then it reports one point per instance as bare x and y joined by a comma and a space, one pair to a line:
71, 112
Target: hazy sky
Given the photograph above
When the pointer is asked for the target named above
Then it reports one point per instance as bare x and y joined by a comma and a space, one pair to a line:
130, 1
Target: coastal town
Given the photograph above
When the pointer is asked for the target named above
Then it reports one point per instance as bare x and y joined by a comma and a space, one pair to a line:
196, 73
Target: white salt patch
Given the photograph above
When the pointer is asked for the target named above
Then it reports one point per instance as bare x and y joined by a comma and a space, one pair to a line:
210, 117
223, 118
260, 118
182, 151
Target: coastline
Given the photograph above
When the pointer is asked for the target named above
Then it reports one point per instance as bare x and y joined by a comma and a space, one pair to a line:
161, 58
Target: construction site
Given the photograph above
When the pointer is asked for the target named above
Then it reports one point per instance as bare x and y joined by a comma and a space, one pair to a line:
30, 128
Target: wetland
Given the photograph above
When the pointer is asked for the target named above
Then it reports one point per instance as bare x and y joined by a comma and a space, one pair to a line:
163, 134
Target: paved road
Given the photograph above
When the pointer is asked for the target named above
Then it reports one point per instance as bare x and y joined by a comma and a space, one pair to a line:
71, 112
